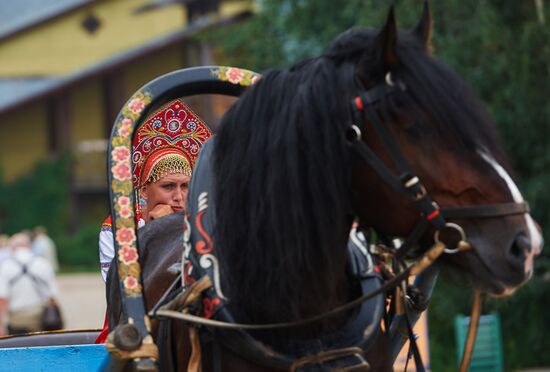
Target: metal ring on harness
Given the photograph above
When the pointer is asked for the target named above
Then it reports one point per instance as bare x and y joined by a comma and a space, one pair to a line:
353, 134
461, 244
389, 79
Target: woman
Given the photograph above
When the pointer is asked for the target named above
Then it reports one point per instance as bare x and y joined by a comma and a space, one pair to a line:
165, 149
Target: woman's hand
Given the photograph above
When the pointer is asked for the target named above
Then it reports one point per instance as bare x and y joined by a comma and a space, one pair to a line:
160, 210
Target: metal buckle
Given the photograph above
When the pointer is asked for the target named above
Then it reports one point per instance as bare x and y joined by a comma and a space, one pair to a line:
413, 181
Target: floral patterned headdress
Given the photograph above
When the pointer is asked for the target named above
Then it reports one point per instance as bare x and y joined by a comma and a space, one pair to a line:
167, 142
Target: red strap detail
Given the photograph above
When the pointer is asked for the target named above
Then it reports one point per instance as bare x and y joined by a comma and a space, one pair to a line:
377, 269
359, 103
102, 337
433, 215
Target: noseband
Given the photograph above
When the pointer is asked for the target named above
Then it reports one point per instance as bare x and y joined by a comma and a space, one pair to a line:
406, 183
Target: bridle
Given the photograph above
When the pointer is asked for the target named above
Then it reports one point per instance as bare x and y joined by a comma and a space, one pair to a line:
405, 182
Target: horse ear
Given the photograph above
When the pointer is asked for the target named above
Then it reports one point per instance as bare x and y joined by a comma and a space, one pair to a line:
388, 39
380, 56
423, 29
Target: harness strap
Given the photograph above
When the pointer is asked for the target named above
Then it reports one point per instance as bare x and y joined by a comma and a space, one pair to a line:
194, 364
397, 158
414, 349
161, 313
329, 355
406, 183
488, 210
182, 303
147, 349
411, 240
417, 268
378, 165
472, 332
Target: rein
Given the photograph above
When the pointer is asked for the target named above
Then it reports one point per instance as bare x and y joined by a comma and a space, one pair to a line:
414, 269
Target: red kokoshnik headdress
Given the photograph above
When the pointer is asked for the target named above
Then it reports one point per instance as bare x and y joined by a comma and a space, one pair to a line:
168, 142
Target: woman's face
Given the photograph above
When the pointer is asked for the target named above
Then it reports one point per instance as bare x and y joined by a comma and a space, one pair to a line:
170, 190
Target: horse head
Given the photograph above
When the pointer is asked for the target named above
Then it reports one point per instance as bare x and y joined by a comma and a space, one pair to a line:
449, 142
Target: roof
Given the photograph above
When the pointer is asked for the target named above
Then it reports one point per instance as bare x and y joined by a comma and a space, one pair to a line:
21, 15
15, 93
15, 90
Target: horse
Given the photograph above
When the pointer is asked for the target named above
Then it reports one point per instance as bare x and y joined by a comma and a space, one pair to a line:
375, 131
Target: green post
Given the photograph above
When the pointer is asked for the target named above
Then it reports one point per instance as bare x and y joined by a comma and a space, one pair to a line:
487, 356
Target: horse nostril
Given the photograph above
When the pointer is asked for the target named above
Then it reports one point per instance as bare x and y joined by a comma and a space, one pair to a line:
520, 247
515, 250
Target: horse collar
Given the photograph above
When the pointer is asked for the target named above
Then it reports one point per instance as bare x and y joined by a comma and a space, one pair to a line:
200, 259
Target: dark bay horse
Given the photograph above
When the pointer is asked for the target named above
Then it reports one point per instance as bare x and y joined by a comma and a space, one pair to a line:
288, 184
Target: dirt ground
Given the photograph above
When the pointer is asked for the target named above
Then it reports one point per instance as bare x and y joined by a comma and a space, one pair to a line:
82, 299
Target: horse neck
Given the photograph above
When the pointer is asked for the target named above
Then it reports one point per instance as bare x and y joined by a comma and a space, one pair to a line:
304, 280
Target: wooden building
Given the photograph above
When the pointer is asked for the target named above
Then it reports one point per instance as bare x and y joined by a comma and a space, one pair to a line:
65, 73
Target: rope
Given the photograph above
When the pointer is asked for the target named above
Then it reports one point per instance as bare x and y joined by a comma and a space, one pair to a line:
472, 332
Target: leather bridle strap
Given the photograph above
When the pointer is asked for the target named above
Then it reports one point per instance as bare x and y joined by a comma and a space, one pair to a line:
405, 183
486, 211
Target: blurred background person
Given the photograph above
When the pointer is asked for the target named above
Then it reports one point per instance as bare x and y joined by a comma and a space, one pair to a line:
44, 246
27, 283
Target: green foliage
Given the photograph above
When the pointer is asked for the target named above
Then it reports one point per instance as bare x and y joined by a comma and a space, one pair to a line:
501, 49
41, 198
80, 251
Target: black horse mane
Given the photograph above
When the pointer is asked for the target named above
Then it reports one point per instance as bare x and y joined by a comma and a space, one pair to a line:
283, 168
283, 173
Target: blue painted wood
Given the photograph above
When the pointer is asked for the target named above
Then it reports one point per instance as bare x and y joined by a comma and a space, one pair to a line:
70, 358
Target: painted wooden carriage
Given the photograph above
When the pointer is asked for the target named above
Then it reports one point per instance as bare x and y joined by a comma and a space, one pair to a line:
70, 350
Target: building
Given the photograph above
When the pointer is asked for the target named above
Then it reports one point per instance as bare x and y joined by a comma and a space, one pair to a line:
67, 66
